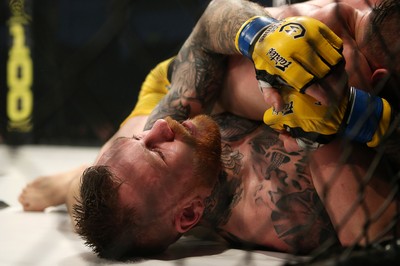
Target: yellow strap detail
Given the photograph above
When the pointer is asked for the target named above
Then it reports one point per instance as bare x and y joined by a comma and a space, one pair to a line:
383, 125
153, 89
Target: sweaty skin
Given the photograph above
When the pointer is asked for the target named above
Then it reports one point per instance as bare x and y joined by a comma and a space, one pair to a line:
267, 194
196, 92
241, 83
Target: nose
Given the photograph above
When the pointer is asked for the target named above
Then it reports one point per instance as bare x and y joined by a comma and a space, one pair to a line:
160, 132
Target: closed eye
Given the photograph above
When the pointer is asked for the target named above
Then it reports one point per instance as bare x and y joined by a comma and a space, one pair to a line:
160, 153
156, 150
136, 137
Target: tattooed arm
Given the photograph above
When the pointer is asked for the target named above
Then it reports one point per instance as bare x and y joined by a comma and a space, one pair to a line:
198, 69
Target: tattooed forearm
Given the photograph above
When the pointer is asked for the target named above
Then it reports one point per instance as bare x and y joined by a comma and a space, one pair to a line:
200, 64
195, 84
221, 21
170, 105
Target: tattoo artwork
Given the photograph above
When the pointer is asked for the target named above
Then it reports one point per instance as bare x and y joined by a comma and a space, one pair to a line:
234, 128
301, 220
228, 191
198, 69
222, 20
296, 212
299, 217
283, 187
195, 86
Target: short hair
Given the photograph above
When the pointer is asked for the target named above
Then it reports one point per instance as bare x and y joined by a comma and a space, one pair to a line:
382, 32
106, 226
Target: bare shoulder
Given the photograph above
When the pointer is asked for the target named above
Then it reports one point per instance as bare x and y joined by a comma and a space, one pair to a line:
326, 11
300, 9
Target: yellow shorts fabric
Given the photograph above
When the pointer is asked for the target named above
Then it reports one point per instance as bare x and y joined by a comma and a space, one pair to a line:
154, 88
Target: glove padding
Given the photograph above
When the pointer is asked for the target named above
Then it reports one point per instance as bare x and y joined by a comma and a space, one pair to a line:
293, 51
359, 117
305, 118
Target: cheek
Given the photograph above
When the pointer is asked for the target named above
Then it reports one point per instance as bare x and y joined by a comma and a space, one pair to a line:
182, 165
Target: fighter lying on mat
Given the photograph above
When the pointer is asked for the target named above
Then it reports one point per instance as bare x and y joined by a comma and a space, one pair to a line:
264, 195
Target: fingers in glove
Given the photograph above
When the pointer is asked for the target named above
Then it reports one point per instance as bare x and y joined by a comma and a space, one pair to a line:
311, 62
271, 95
329, 54
333, 39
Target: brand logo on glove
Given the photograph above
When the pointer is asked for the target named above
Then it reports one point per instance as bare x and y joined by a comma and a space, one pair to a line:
294, 29
287, 109
280, 62
271, 28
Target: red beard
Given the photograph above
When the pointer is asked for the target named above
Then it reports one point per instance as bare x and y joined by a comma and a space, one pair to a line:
207, 144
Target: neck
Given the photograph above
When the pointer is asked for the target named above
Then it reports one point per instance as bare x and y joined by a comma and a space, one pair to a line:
218, 206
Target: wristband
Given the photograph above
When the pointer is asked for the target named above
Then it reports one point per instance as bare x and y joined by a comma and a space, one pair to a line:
368, 118
384, 123
249, 32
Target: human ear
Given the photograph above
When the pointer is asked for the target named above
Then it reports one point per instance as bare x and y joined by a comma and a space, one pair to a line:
189, 215
379, 77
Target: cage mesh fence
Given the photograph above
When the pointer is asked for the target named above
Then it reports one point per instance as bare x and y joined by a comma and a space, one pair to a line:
83, 50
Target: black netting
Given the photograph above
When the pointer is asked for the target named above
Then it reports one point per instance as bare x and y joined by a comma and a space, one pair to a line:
90, 58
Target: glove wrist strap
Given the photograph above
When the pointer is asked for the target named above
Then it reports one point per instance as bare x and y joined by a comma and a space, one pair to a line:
249, 32
368, 117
